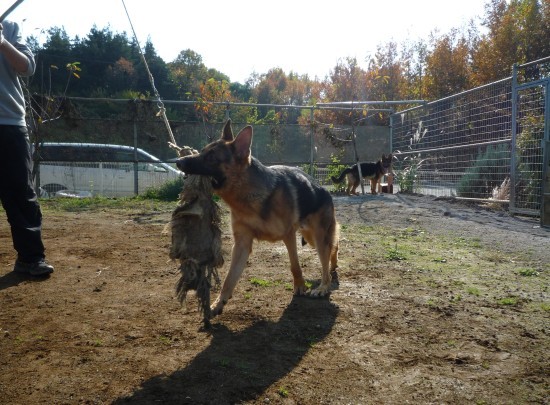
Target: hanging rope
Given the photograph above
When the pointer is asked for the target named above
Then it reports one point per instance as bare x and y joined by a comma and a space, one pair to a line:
160, 104
9, 10
195, 225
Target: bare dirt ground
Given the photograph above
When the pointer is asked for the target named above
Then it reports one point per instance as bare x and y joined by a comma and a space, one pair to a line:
438, 302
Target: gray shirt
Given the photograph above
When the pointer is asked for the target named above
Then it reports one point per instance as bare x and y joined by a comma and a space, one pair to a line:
12, 98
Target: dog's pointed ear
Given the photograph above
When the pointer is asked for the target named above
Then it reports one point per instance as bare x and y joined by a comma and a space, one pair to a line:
242, 142
227, 134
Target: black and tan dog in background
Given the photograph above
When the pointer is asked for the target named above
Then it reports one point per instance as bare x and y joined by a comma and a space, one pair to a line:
374, 171
267, 203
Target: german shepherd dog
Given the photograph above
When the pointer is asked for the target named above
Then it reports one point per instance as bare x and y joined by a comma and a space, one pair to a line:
369, 170
267, 203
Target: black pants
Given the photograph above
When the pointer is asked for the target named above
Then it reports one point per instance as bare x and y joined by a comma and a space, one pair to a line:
17, 193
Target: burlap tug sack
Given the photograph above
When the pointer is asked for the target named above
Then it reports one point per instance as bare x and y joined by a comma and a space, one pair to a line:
196, 241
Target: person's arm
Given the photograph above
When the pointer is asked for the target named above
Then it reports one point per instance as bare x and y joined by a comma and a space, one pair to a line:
15, 58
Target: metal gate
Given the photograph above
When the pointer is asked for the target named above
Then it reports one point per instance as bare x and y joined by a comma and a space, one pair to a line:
529, 174
491, 143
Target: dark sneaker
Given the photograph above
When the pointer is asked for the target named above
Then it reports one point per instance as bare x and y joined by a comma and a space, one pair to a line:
40, 268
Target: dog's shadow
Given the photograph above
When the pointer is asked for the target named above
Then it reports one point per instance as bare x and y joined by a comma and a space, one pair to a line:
239, 366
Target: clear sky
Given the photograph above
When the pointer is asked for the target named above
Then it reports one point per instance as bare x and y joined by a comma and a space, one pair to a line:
240, 37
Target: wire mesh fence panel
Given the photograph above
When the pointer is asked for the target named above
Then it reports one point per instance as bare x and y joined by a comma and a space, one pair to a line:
133, 125
530, 117
476, 116
108, 179
282, 144
469, 171
486, 143
458, 146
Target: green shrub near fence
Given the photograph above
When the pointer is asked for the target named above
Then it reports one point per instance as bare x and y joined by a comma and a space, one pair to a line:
490, 169
334, 169
168, 191
406, 173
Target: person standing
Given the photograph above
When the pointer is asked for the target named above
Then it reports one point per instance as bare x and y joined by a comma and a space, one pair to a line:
16, 183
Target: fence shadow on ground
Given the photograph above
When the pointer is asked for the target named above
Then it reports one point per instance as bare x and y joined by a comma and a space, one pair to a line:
240, 366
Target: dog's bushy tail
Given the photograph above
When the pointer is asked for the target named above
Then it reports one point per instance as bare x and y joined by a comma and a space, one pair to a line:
341, 177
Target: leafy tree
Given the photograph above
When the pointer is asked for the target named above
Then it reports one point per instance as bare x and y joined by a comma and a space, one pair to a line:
276, 87
271, 88
159, 70
187, 72
518, 32
346, 78
98, 52
56, 51
447, 66
121, 75
414, 70
241, 91
345, 83
385, 74
212, 91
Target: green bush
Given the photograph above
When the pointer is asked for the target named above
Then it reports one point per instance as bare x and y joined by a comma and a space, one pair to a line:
406, 173
310, 169
168, 191
334, 169
489, 171
528, 168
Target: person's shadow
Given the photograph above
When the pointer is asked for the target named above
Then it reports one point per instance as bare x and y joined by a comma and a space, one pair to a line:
239, 366
13, 279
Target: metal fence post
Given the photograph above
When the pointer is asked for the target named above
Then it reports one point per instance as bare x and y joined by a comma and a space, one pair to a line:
545, 203
227, 111
391, 130
514, 133
136, 179
312, 143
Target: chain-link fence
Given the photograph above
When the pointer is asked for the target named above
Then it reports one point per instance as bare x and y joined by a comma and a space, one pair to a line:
487, 143
120, 147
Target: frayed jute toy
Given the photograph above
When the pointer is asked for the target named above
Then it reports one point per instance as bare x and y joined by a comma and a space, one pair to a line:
196, 240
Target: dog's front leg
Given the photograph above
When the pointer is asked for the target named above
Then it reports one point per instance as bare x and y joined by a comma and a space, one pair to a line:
298, 278
373, 186
239, 256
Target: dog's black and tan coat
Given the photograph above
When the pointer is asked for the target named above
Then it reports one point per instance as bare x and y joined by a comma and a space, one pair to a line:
267, 203
374, 171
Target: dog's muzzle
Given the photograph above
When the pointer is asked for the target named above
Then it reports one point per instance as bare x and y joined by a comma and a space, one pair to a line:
181, 164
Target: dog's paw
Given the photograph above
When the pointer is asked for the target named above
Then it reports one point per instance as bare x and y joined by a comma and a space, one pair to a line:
320, 291
300, 289
217, 308
334, 277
